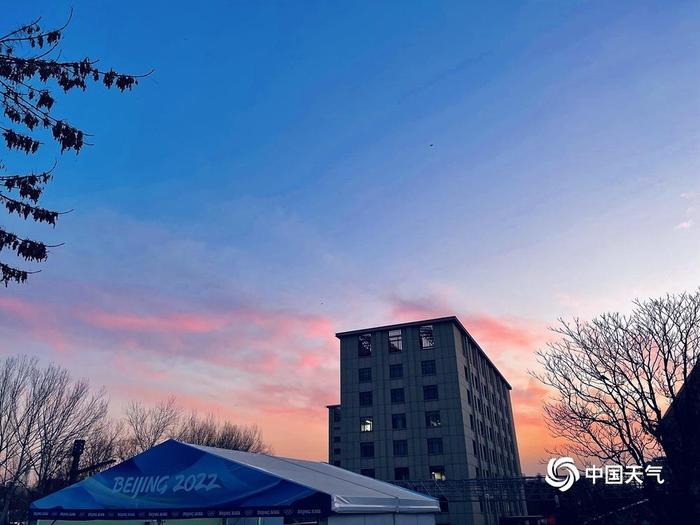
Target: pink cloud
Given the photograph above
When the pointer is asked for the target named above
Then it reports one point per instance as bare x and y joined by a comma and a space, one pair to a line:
505, 332
191, 322
281, 367
511, 343
38, 319
18, 308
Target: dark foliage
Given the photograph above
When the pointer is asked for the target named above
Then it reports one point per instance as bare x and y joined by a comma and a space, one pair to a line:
31, 71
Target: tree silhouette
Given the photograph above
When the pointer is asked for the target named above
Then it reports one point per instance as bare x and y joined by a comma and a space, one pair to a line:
615, 377
31, 72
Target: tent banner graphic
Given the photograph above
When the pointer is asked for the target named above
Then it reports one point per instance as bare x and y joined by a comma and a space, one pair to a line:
176, 480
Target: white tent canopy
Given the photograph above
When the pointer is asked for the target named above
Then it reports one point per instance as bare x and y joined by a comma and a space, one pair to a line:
350, 492
178, 481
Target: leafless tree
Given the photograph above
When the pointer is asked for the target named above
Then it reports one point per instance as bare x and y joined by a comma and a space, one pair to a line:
197, 430
103, 444
16, 374
42, 410
209, 432
70, 412
247, 438
615, 376
145, 427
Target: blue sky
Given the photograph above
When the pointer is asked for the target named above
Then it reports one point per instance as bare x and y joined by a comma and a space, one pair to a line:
361, 163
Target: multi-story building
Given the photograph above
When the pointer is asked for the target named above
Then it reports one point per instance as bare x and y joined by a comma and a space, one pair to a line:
422, 401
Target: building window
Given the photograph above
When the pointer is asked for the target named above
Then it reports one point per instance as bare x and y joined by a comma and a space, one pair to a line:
437, 473
395, 371
471, 421
435, 446
430, 392
364, 375
336, 451
336, 439
428, 368
365, 399
469, 396
476, 449
397, 396
395, 341
365, 424
367, 449
401, 474
336, 414
364, 345
337, 463
369, 472
426, 335
398, 421
400, 447
432, 419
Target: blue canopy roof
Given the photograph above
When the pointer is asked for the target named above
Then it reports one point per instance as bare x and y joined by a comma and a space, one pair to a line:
179, 480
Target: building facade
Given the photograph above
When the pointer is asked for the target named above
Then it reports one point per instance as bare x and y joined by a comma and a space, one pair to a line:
421, 401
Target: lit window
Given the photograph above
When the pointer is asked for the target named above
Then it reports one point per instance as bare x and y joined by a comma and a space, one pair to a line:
398, 421
428, 368
367, 450
427, 338
432, 419
364, 345
430, 392
365, 399
395, 341
395, 371
437, 473
364, 375
435, 446
365, 424
369, 472
397, 396
401, 474
400, 447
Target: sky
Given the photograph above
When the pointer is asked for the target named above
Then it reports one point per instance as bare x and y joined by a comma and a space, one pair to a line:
293, 169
